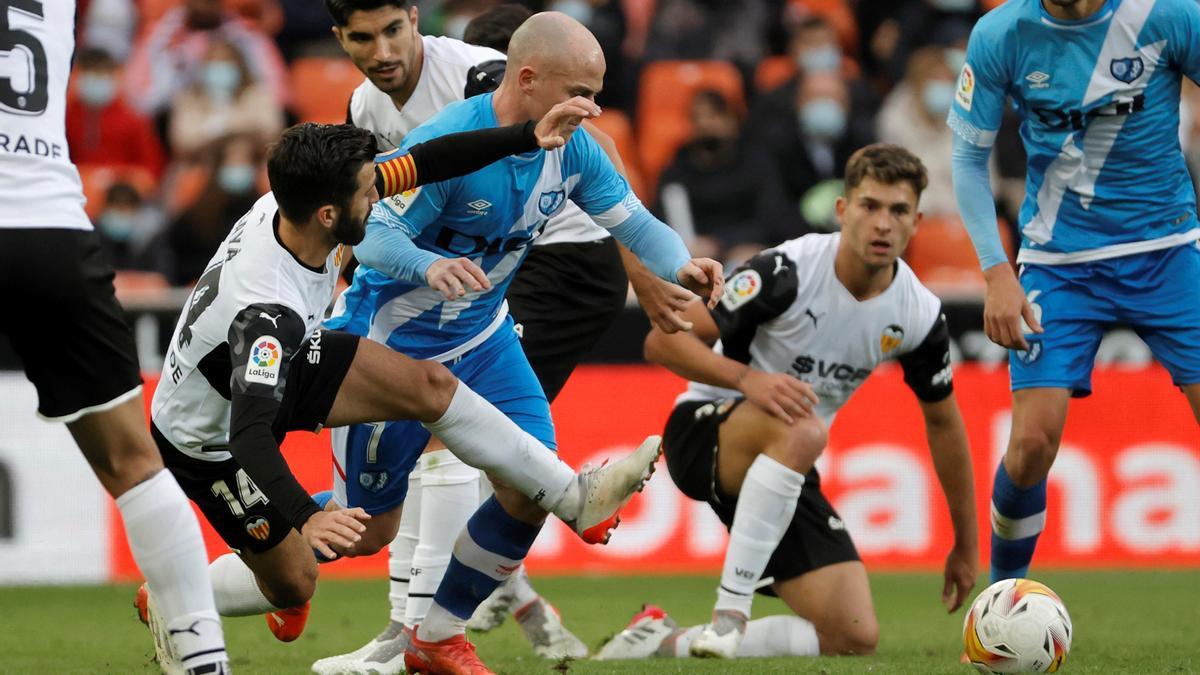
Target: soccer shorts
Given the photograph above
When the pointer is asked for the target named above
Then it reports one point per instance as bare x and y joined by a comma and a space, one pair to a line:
64, 322
371, 462
816, 536
215, 487
1155, 293
564, 297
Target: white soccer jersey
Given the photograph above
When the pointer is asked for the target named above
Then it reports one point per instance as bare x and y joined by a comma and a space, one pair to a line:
249, 313
785, 311
39, 187
448, 72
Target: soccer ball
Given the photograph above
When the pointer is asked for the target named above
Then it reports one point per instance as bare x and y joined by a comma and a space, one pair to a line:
1017, 626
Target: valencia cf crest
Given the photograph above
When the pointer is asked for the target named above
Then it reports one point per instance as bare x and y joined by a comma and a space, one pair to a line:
1127, 70
258, 527
550, 202
892, 336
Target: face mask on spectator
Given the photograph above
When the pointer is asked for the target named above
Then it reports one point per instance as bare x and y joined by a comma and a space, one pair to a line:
118, 225
823, 119
580, 10
820, 60
954, 5
97, 90
236, 178
221, 78
938, 96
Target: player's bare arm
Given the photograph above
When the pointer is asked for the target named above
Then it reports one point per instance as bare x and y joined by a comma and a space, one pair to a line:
948, 446
689, 354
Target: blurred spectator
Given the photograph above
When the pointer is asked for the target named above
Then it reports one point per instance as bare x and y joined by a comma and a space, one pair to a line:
109, 25
224, 101
230, 191
914, 116
126, 225
892, 30
709, 29
721, 195
458, 13
170, 56
305, 30
101, 128
813, 44
809, 130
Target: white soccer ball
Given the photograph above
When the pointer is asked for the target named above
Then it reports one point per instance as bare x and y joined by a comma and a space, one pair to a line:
1017, 626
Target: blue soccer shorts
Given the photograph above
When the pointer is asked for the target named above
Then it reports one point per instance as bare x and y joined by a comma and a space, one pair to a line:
1156, 294
372, 461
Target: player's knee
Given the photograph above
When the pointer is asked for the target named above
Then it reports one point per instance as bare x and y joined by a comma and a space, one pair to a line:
853, 636
436, 385
1031, 455
123, 468
292, 587
801, 444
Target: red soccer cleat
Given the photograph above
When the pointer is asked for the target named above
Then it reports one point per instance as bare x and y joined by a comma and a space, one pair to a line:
452, 656
287, 624
141, 602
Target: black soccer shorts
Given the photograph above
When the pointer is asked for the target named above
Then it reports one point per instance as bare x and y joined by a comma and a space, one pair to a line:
64, 322
564, 297
816, 537
221, 489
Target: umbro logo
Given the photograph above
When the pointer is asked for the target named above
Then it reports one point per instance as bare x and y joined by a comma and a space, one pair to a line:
1038, 80
479, 207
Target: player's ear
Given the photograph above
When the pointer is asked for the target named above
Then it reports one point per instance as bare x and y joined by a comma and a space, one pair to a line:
839, 209
326, 216
525, 78
414, 17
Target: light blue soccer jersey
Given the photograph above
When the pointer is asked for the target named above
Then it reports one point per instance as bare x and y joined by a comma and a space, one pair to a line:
1099, 104
491, 217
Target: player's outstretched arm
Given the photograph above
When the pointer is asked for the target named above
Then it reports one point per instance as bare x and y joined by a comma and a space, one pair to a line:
947, 436
689, 354
459, 154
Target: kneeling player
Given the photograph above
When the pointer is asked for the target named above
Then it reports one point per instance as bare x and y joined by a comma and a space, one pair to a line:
247, 364
745, 435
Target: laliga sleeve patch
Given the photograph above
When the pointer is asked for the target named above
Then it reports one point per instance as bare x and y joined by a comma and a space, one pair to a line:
965, 92
266, 357
399, 204
741, 289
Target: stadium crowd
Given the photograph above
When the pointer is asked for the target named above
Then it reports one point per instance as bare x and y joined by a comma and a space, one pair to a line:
735, 119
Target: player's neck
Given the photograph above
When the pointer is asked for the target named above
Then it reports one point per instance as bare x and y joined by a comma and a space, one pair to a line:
1081, 9
310, 250
862, 281
507, 106
400, 96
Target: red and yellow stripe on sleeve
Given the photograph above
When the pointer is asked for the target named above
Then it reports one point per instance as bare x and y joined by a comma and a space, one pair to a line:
399, 175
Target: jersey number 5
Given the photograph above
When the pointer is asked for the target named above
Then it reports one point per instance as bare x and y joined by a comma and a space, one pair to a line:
20, 46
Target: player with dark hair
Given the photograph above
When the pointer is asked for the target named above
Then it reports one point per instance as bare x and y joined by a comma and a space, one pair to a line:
1108, 227
65, 325
247, 364
801, 327
494, 28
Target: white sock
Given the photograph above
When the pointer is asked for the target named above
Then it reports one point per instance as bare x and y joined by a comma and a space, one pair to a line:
236, 588
521, 588
781, 635
449, 495
400, 551
166, 543
765, 506
440, 624
485, 438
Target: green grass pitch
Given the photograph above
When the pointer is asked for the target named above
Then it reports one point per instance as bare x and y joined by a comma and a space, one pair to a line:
1125, 622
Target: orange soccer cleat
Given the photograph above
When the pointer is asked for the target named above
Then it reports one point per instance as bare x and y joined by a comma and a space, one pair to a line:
287, 624
452, 656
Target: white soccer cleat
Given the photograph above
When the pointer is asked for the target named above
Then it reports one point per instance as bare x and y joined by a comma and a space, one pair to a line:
644, 637
543, 627
721, 638
490, 613
608, 488
165, 648
340, 663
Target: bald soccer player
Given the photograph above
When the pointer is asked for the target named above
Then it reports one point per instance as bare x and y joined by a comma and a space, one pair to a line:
436, 265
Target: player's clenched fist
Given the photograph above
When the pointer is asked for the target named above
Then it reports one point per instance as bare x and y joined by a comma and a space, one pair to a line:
555, 129
705, 277
453, 277
334, 528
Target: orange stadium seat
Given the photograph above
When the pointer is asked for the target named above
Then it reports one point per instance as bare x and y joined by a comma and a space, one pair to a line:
150, 11
97, 178
617, 125
664, 100
943, 258
774, 71
321, 88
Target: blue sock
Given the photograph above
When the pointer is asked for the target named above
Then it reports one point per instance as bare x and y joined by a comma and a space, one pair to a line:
1018, 516
322, 498
487, 552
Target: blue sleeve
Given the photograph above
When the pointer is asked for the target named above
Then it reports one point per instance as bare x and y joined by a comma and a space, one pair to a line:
1186, 41
973, 190
605, 195
394, 222
982, 87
